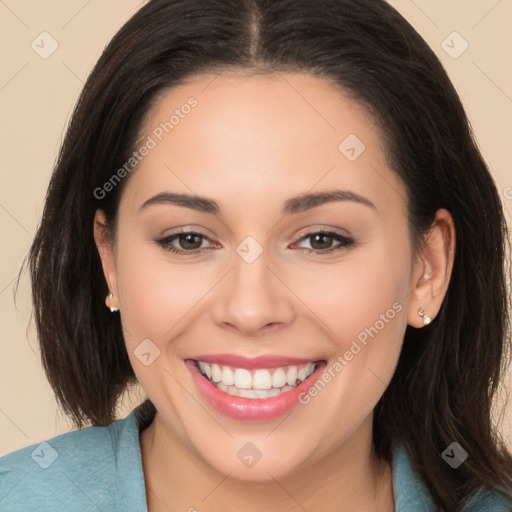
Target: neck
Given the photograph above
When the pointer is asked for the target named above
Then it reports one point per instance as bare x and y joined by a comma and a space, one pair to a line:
348, 479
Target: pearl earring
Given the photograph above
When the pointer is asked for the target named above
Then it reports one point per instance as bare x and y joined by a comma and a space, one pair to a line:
426, 318
112, 308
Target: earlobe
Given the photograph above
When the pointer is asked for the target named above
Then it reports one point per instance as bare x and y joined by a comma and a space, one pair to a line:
105, 248
432, 271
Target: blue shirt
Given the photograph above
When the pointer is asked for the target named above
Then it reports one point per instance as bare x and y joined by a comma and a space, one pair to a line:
100, 469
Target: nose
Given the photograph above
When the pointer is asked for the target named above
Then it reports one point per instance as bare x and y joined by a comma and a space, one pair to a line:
253, 299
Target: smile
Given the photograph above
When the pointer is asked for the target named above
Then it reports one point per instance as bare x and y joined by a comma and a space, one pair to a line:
252, 389
255, 384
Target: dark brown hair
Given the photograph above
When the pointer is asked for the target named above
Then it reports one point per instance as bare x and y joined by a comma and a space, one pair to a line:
449, 371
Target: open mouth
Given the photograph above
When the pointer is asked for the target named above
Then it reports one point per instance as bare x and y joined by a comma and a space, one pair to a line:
257, 384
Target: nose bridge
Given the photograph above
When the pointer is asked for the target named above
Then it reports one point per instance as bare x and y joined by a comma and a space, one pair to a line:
252, 297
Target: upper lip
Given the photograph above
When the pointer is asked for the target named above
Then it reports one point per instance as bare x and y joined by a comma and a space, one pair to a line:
252, 363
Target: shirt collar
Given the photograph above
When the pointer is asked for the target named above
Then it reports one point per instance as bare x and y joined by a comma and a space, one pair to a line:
410, 493
131, 485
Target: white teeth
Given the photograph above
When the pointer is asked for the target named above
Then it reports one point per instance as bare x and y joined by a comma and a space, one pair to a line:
262, 380
279, 378
301, 374
247, 393
243, 378
254, 393
216, 373
291, 375
261, 383
263, 393
228, 377
205, 368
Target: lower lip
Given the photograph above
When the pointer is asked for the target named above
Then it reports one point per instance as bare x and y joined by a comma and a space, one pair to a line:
251, 409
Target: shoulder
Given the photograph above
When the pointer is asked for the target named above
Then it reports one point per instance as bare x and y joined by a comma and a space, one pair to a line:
489, 501
72, 471
412, 494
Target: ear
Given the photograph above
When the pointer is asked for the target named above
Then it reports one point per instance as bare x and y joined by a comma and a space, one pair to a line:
432, 269
106, 251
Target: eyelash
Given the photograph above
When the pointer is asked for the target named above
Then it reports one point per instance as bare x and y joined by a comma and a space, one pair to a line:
344, 242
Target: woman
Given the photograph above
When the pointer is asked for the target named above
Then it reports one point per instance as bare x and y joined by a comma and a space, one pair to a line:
302, 256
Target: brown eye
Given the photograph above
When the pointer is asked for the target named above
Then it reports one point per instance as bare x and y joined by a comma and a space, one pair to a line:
183, 242
190, 241
322, 242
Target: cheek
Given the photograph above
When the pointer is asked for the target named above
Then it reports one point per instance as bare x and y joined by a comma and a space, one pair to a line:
360, 294
157, 304
155, 293
362, 304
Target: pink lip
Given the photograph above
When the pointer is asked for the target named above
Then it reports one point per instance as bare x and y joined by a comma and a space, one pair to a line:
248, 409
251, 363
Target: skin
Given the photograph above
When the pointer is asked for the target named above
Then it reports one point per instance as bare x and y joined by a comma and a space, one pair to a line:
251, 143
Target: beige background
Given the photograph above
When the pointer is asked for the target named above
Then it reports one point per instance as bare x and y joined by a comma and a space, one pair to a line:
36, 99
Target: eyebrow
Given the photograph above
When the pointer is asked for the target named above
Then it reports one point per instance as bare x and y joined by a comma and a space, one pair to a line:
292, 206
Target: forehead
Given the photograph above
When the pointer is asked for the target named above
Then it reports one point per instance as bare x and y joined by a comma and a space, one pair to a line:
265, 137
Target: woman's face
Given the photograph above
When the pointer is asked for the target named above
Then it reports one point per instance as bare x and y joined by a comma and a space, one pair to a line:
272, 284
